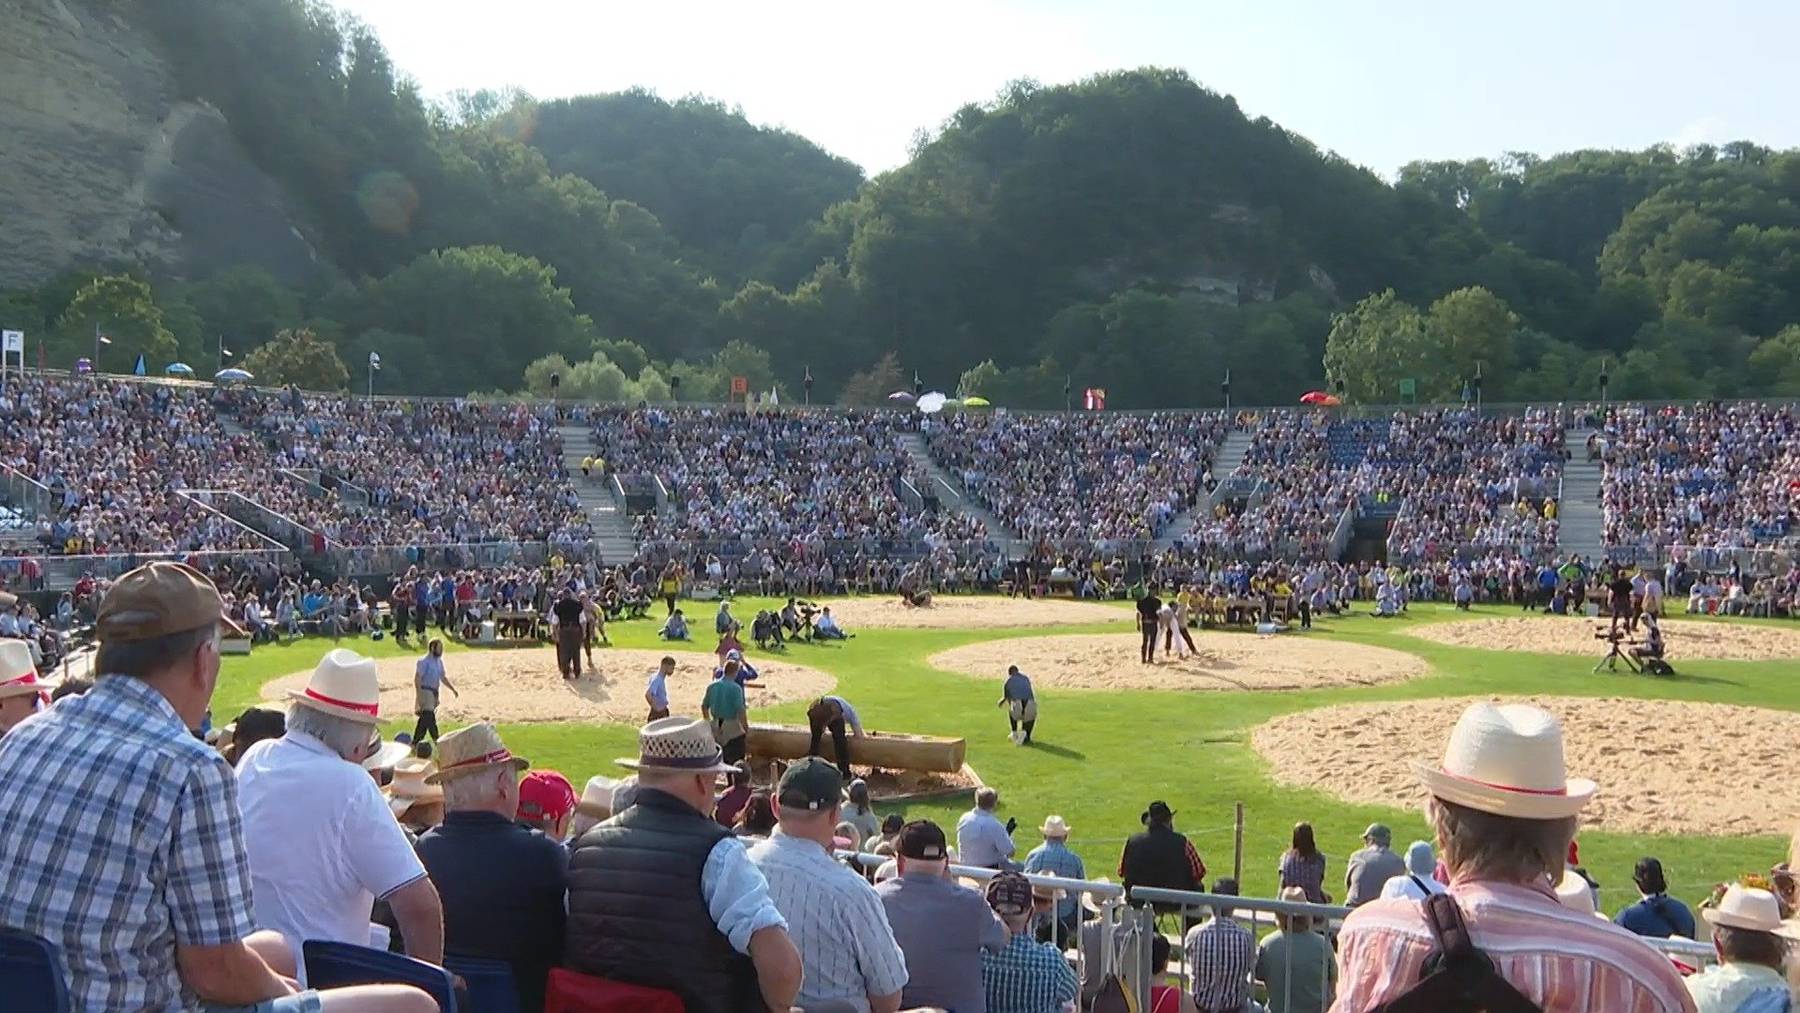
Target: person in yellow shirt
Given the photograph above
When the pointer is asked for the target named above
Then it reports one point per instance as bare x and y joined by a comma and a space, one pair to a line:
587, 466
1549, 509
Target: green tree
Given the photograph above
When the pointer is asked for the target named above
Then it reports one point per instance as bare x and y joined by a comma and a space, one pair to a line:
979, 379
301, 358
1471, 326
1774, 365
124, 311
245, 305
872, 386
1381, 341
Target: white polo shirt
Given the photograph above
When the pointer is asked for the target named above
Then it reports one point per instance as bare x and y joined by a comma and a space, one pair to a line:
322, 843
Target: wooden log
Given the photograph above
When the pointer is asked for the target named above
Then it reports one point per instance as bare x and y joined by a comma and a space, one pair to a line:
893, 750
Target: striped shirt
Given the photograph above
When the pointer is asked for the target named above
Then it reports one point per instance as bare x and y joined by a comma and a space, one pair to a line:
119, 839
1221, 956
835, 919
1562, 960
1027, 977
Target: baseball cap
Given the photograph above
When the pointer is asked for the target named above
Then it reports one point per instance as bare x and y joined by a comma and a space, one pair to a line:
1379, 832
545, 795
812, 783
922, 840
158, 599
1009, 893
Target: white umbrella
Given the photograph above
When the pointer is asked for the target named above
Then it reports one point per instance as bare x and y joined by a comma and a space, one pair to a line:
932, 403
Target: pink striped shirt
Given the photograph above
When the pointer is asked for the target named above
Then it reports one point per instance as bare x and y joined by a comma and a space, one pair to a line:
1564, 961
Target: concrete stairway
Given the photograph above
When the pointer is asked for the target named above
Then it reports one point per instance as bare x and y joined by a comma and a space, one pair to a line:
1581, 525
612, 526
1231, 454
947, 487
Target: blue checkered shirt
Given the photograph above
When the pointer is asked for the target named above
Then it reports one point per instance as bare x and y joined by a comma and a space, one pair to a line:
1027, 977
119, 838
1053, 858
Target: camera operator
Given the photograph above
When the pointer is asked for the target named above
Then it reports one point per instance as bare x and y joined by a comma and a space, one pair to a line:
1652, 647
797, 619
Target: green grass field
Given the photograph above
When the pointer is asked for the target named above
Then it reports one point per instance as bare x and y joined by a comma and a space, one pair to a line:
1101, 755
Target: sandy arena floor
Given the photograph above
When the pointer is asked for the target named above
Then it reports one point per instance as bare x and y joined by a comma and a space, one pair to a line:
1574, 635
969, 612
1227, 661
521, 685
1657, 771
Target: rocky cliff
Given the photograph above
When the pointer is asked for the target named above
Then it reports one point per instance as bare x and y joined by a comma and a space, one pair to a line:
102, 162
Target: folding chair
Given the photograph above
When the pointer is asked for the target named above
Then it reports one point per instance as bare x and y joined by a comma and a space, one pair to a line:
337, 965
31, 974
490, 984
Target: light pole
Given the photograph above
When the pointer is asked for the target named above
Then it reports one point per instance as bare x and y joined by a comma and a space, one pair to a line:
374, 364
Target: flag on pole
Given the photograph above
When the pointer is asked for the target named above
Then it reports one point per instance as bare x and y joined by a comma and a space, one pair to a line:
374, 360
139, 369
774, 396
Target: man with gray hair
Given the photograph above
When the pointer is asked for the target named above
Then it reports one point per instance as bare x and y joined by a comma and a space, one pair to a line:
323, 843
981, 839
1370, 868
1221, 955
848, 950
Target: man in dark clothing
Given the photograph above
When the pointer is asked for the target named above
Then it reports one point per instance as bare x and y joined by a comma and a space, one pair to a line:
644, 886
502, 884
1147, 608
1618, 604
1160, 857
568, 635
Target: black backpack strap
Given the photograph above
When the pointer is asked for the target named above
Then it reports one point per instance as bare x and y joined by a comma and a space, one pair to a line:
1458, 977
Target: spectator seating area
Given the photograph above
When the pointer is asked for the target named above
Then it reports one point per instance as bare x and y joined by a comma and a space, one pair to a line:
1702, 475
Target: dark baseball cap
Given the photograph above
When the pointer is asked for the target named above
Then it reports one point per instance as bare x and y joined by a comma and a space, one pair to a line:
922, 840
812, 783
158, 599
1009, 893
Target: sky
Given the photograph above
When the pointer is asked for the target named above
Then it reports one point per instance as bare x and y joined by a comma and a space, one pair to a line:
1381, 83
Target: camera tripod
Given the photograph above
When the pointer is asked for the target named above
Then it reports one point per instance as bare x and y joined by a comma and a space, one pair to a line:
1614, 655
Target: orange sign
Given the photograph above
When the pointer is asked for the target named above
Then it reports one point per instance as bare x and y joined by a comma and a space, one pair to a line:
740, 385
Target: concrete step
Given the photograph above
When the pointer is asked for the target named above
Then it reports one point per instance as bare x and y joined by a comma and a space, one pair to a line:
1230, 455
948, 489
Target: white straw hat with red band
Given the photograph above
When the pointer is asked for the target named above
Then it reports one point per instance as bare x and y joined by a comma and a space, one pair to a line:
472, 750
345, 685
1507, 759
18, 673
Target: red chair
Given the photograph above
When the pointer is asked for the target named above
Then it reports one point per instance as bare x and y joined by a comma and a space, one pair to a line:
570, 992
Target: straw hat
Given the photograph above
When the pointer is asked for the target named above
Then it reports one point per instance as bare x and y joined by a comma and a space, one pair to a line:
412, 785
1054, 827
388, 755
1087, 899
1576, 894
470, 751
680, 745
1750, 909
1507, 759
18, 673
597, 797
345, 684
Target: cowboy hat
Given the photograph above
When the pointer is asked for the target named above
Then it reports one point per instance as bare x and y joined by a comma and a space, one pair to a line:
345, 684
412, 785
1750, 909
471, 750
1054, 826
18, 673
597, 797
1087, 899
678, 745
1507, 759
1576, 894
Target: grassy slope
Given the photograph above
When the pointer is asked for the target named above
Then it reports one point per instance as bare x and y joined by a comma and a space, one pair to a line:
1103, 755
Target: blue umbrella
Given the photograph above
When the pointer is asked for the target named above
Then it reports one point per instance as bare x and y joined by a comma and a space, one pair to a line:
233, 375
179, 369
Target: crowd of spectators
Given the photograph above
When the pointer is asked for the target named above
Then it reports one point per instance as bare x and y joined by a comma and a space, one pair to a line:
1703, 475
1099, 480
420, 472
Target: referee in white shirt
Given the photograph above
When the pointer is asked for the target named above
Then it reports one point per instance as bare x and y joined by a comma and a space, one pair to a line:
834, 916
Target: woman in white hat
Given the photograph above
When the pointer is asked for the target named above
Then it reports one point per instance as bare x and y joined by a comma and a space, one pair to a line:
1754, 942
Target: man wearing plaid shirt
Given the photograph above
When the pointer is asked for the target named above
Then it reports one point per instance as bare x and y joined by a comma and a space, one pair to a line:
1221, 954
1027, 976
120, 839
1053, 858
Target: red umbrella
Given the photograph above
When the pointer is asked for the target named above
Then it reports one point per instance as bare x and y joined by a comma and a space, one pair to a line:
1319, 397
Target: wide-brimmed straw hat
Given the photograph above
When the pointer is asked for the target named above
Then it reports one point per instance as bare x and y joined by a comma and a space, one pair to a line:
1087, 899
1752, 910
1507, 759
412, 785
345, 684
680, 745
597, 797
1054, 826
388, 755
18, 673
472, 750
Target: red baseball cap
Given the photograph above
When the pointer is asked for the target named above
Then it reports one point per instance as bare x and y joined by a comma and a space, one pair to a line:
545, 795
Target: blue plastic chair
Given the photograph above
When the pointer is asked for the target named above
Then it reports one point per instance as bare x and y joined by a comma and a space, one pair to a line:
337, 965
491, 988
31, 974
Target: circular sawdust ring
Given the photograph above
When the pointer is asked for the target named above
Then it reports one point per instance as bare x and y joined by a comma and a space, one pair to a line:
521, 685
970, 612
1687, 638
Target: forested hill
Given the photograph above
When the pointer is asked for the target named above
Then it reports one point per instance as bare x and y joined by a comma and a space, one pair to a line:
1133, 231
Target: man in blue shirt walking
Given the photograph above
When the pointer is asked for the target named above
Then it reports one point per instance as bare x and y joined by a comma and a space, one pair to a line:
428, 674
1020, 703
